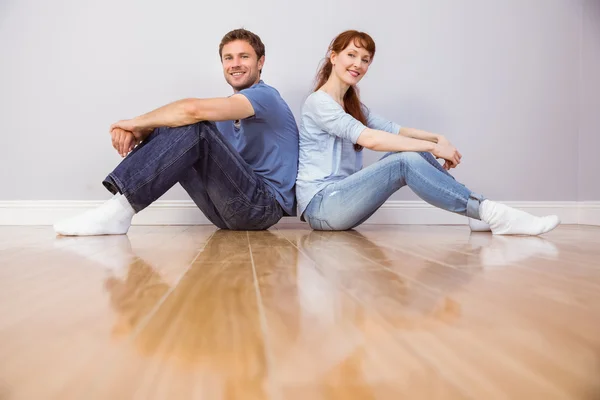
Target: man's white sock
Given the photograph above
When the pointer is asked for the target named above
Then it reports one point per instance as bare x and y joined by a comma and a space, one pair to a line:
111, 218
504, 220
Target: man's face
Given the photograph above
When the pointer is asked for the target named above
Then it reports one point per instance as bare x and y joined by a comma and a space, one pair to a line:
240, 64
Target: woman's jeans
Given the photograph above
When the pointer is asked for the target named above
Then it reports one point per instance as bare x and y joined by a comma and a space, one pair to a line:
227, 190
350, 202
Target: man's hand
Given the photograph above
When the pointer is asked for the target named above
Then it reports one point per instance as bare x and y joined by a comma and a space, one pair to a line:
444, 149
131, 125
123, 141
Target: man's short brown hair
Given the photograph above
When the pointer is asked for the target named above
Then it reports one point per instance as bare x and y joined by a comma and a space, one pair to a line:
243, 34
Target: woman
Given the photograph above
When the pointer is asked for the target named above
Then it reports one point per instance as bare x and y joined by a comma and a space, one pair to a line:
335, 193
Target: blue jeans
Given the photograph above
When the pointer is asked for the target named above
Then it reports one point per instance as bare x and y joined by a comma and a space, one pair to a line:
227, 190
351, 201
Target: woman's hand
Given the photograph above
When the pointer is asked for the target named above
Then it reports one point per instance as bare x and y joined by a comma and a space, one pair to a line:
445, 150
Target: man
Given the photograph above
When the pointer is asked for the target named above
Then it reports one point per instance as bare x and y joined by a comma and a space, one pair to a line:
237, 157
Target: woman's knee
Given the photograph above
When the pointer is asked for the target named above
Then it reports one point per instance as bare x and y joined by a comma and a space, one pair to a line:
408, 158
428, 156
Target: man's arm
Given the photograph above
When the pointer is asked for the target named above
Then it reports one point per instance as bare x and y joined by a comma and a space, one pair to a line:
188, 111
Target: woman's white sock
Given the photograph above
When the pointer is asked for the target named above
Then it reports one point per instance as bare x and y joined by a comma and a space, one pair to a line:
505, 220
478, 226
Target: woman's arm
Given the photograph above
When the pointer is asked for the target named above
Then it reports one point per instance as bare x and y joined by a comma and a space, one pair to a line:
419, 134
384, 141
375, 121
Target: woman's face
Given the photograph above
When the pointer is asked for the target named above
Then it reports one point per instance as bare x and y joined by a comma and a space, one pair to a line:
351, 64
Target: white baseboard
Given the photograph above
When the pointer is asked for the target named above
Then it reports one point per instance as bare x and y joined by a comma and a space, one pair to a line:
185, 212
589, 212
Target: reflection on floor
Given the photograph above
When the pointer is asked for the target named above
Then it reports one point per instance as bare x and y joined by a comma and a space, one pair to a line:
381, 312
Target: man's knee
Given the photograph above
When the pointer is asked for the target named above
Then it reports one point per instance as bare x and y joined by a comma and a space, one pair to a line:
206, 129
201, 129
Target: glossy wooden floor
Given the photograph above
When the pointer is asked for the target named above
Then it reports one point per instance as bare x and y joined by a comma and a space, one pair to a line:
384, 312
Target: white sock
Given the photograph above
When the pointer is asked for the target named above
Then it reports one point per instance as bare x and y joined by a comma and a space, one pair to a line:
111, 218
478, 226
504, 220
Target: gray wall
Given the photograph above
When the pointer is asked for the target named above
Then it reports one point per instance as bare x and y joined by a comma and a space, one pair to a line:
589, 134
500, 79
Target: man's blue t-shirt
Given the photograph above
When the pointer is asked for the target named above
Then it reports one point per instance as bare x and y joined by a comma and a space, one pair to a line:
268, 142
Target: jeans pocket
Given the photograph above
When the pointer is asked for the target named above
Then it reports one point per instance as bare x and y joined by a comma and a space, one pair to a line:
274, 214
238, 214
317, 224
